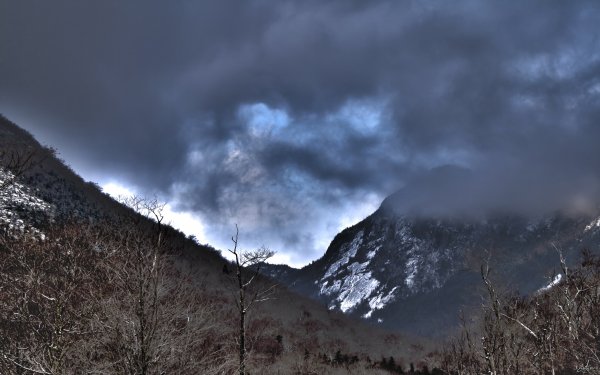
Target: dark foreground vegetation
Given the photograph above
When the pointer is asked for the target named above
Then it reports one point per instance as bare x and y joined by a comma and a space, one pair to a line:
118, 297
556, 331
89, 299
86, 298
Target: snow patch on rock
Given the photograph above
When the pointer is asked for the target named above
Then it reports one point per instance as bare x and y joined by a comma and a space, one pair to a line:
328, 290
354, 288
590, 226
347, 252
412, 267
371, 254
379, 301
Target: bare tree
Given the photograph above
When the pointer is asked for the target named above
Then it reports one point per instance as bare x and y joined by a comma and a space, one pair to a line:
155, 319
576, 302
45, 305
134, 265
15, 164
247, 267
554, 331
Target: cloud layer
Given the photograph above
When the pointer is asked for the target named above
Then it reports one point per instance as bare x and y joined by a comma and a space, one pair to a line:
294, 118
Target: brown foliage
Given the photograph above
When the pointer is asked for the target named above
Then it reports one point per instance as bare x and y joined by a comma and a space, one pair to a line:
556, 331
103, 298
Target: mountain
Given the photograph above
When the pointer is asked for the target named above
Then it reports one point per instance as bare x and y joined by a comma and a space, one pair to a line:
39, 193
416, 272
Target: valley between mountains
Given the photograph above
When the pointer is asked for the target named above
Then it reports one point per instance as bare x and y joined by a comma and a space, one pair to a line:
92, 285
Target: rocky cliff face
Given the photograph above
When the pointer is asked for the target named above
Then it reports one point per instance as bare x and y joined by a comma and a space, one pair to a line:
417, 273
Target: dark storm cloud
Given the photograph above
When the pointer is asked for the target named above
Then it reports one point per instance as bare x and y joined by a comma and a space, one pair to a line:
279, 114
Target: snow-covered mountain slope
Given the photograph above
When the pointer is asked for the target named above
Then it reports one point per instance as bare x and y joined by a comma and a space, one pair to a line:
416, 274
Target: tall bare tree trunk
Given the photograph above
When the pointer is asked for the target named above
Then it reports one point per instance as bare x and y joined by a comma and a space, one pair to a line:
242, 328
243, 260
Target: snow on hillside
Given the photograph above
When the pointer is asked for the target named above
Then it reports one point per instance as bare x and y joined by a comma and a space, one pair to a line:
555, 281
348, 252
594, 224
21, 211
352, 279
357, 284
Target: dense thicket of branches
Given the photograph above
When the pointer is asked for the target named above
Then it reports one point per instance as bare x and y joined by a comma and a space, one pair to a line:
15, 163
556, 331
104, 298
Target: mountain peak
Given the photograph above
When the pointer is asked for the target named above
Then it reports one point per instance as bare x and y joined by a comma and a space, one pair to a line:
416, 272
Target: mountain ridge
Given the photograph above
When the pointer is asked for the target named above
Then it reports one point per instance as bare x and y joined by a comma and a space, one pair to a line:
418, 273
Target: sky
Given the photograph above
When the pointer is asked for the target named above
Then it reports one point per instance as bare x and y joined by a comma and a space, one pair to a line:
295, 119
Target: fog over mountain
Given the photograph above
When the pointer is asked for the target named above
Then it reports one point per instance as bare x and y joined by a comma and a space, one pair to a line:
294, 119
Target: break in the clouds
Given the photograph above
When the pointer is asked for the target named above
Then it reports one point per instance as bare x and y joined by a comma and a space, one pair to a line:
295, 118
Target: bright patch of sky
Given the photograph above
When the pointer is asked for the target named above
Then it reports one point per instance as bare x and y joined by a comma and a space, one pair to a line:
363, 115
184, 221
263, 120
195, 158
116, 190
324, 232
355, 212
